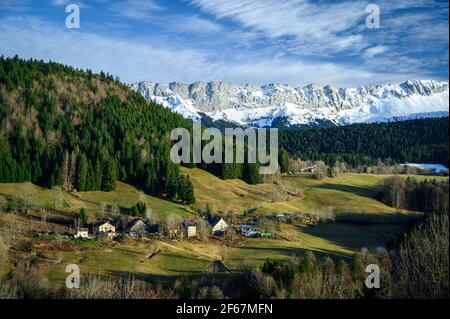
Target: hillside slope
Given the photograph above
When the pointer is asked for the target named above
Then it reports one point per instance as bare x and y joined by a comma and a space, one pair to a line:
350, 193
83, 131
96, 203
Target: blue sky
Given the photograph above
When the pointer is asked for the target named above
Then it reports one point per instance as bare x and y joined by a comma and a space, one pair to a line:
244, 41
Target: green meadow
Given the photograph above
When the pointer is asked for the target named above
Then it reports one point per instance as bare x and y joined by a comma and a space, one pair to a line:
350, 193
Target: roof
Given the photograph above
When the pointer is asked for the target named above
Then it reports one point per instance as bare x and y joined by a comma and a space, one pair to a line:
189, 222
82, 229
212, 220
136, 223
104, 223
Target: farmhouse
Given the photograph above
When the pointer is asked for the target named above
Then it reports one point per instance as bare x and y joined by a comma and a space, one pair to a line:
281, 218
137, 228
219, 226
245, 228
190, 227
252, 233
82, 233
107, 229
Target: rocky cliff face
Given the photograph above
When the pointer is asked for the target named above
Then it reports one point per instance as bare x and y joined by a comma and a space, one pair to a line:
259, 105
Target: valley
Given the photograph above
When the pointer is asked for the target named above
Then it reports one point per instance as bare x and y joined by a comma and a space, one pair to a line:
178, 258
88, 180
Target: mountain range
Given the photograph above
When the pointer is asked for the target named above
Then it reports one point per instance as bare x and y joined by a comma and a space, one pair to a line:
281, 105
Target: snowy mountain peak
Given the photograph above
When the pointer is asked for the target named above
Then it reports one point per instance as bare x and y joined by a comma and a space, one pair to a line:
248, 104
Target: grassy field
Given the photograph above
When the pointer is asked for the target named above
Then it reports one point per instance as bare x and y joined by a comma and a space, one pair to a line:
348, 193
124, 197
191, 258
351, 193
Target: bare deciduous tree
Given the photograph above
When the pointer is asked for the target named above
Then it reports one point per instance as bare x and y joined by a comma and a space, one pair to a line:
320, 170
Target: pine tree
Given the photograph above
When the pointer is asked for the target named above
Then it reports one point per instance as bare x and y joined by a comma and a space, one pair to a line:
98, 175
171, 180
82, 217
139, 210
251, 173
171, 186
182, 188
227, 171
189, 192
283, 160
81, 183
122, 174
72, 171
151, 179
109, 176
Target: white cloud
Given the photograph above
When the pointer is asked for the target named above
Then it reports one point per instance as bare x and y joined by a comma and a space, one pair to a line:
193, 24
373, 51
131, 60
307, 22
66, 2
15, 5
60, 2
151, 60
301, 73
135, 9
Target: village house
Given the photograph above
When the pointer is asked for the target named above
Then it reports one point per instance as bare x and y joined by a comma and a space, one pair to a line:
246, 228
281, 218
219, 226
190, 227
137, 228
107, 229
82, 233
252, 233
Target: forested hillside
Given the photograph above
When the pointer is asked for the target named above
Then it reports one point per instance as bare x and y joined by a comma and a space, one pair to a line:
84, 131
60, 125
422, 140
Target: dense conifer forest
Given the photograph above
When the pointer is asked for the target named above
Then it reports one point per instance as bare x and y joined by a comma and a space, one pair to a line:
421, 141
80, 130
83, 131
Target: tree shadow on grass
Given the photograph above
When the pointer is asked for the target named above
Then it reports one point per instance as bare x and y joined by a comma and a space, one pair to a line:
354, 237
156, 279
368, 191
294, 251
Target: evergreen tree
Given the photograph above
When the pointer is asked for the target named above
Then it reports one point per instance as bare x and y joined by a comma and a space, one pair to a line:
109, 176
82, 217
172, 186
98, 175
251, 173
81, 183
189, 197
72, 170
283, 160
182, 188
139, 210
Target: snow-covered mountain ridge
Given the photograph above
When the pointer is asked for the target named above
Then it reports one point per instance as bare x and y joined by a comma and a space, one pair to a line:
262, 105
